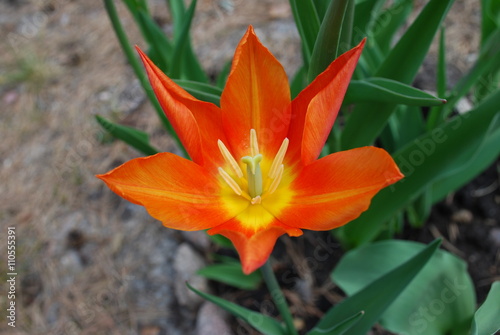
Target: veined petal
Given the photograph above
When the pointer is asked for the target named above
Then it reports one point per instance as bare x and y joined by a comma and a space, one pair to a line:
254, 248
256, 96
315, 109
174, 190
197, 123
337, 188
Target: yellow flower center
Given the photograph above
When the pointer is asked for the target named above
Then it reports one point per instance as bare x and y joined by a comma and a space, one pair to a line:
252, 185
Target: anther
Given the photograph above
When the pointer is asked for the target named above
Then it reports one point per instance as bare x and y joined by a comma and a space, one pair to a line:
230, 159
278, 160
230, 181
276, 181
254, 145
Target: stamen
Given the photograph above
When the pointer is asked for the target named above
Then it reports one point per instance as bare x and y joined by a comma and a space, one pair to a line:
230, 181
230, 159
273, 171
276, 181
254, 145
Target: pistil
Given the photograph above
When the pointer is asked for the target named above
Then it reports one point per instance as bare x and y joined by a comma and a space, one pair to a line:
253, 187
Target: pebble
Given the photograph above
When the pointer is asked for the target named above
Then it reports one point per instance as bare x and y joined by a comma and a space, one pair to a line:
211, 320
186, 263
495, 236
199, 239
462, 216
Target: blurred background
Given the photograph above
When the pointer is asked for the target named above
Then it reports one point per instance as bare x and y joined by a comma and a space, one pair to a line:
89, 262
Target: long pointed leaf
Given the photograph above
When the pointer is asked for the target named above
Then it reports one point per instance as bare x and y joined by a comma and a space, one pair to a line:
375, 298
388, 91
133, 137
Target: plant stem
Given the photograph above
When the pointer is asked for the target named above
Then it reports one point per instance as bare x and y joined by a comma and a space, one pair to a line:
278, 297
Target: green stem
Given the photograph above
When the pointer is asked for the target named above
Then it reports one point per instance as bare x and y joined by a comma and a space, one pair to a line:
278, 297
136, 66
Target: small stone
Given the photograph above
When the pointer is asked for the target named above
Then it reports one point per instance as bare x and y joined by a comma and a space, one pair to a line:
150, 330
462, 216
199, 239
211, 321
186, 263
495, 236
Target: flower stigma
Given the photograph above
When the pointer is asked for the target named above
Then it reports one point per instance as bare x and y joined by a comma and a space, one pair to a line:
252, 186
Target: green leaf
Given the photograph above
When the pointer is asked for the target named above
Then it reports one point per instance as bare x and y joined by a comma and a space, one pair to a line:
133, 137
307, 22
261, 322
485, 155
439, 300
433, 156
232, 274
342, 327
388, 23
388, 91
221, 241
364, 18
376, 297
184, 64
436, 114
402, 64
160, 47
328, 41
201, 91
487, 318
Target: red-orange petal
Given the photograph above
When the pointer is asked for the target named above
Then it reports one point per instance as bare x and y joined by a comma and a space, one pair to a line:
315, 109
256, 96
254, 248
337, 188
174, 190
197, 123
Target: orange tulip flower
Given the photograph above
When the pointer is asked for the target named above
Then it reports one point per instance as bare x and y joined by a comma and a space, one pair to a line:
254, 174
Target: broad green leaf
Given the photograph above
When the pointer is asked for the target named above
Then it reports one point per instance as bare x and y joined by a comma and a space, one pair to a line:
486, 155
232, 274
201, 91
440, 299
487, 318
388, 91
402, 64
340, 328
328, 42
433, 156
133, 137
376, 297
261, 322
307, 22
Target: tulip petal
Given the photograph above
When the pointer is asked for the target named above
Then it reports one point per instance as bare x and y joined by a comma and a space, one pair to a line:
174, 190
256, 96
337, 188
197, 123
315, 109
254, 248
